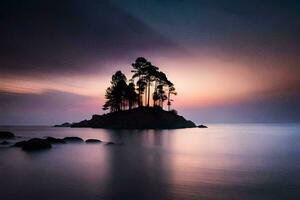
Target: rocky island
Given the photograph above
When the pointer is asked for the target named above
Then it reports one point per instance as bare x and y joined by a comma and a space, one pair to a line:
138, 118
138, 103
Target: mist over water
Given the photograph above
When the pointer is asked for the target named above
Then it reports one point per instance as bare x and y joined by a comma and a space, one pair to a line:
225, 161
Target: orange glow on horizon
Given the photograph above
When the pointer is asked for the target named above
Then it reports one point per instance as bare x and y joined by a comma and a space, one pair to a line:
199, 81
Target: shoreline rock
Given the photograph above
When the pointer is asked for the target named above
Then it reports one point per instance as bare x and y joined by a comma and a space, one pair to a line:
72, 139
138, 118
93, 141
66, 124
33, 144
6, 135
53, 140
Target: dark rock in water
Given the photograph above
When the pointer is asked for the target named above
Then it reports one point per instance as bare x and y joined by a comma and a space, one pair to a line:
93, 141
67, 124
113, 143
73, 139
4, 143
6, 135
53, 140
138, 118
19, 144
202, 126
35, 144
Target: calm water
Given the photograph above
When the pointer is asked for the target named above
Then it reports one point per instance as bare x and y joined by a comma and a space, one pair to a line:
245, 161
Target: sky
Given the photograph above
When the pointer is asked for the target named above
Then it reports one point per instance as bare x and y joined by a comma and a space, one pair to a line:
232, 61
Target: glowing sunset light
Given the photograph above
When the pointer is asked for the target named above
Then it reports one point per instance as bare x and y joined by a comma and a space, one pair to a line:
221, 58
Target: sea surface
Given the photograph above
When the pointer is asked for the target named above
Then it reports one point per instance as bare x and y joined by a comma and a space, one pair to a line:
225, 161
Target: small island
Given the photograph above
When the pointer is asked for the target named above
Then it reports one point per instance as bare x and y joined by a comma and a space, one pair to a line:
138, 103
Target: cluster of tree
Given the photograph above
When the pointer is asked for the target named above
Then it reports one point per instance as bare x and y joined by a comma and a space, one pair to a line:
136, 92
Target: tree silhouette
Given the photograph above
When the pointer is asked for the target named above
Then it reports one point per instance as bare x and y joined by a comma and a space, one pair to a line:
131, 95
139, 72
171, 91
121, 96
150, 76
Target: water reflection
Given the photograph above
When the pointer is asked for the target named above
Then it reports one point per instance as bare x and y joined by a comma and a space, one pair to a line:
222, 162
136, 173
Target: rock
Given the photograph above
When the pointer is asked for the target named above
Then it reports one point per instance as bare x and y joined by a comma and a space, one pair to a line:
4, 143
137, 118
67, 124
202, 126
6, 135
113, 143
19, 144
35, 144
93, 141
73, 139
53, 140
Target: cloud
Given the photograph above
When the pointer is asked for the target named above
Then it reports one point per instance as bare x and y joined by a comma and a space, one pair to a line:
70, 37
55, 53
236, 27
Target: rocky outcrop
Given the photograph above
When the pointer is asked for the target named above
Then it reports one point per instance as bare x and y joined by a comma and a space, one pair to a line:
66, 124
93, 141
6, 135
53, 140
73, 139
33, 144
40, 144
139, 118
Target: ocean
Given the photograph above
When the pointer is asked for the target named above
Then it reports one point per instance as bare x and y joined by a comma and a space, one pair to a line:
225, 161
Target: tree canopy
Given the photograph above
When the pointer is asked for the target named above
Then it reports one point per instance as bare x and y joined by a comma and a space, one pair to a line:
147, 82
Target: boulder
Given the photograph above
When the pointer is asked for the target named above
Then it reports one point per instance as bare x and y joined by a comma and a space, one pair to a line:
113, 143
73, 139
53, 140
35, 144
93, 141
6, 135
19, 144
202, 126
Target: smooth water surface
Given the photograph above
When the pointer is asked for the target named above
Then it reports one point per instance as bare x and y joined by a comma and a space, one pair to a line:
233, 161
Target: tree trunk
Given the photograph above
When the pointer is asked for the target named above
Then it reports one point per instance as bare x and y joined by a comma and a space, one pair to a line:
139, 98
148, 94
155, 88
169, 103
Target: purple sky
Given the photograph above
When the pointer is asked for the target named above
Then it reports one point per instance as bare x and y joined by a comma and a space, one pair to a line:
231, 61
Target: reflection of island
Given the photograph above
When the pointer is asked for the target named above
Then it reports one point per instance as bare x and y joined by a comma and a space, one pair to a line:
130, 105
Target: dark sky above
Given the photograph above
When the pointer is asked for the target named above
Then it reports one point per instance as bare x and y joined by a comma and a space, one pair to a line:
231, 60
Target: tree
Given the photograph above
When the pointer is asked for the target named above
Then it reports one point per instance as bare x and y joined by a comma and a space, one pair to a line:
161, 95
115, 94
139, 72
161, 81
171, 91
122, 95
131, 95
150, 76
